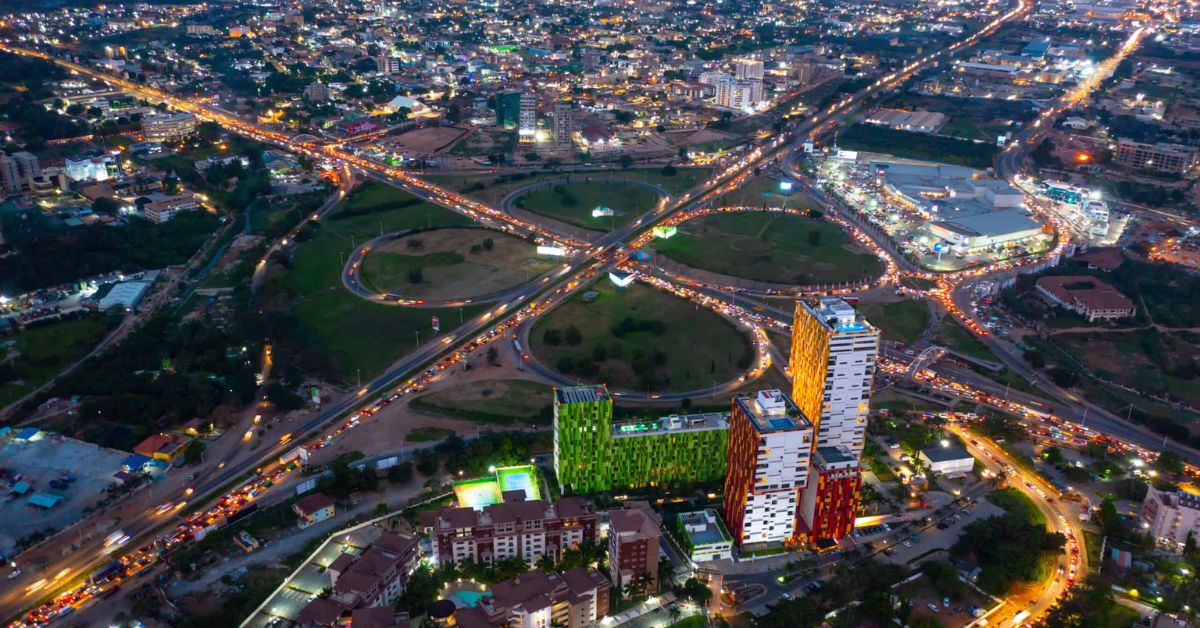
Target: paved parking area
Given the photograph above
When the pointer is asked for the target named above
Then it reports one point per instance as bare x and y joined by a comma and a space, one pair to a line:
312, 577
39, 461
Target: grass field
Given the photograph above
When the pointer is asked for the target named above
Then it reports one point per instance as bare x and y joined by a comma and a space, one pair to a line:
495, 401
492, 188
902, 321
666, 343
41, 352
452, 263
954, 336
357, 334
1141, 359
770, 247
573, 203
762, 191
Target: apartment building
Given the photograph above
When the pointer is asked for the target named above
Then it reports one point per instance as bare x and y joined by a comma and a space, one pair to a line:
1167, 158
515, 528
373, 579
573, 599
1171, 516
633, 540
770, 446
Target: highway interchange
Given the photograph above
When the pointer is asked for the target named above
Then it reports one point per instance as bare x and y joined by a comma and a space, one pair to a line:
520, 305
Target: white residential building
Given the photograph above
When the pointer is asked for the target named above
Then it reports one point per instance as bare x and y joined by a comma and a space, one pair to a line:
770, 447
1169, 517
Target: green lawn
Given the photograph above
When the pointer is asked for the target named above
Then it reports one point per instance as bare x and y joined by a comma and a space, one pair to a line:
902, 321
666, 344
770, 247
43, 352
762, 191
954, 336
452, 264
573, 203
355, 333
493, 401
492, 188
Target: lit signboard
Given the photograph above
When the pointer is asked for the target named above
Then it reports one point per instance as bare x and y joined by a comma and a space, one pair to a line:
556, 251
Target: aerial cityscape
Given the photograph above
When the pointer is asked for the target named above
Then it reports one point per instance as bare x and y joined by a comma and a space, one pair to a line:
674, 314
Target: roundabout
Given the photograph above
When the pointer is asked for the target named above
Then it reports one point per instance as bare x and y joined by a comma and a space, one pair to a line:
595, 203
450, 266
644, 343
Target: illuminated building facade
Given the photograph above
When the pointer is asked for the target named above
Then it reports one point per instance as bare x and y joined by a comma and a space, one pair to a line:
770, 445
829, 504
592, 453
833, 362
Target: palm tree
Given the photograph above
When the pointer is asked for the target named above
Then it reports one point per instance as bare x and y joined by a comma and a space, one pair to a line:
545, 563
666, 572
674, 613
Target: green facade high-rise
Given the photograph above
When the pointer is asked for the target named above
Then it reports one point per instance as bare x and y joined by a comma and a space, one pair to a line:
591, 453
508, 108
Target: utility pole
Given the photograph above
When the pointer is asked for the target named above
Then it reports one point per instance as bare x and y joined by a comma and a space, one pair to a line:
418, 333
1103, 542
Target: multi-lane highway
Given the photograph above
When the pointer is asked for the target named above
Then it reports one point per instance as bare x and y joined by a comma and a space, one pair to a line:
488, 326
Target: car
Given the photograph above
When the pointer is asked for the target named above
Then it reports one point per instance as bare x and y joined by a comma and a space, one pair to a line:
933, 607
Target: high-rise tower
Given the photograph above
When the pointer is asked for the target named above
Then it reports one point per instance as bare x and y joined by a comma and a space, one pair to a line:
833, 362
770, 445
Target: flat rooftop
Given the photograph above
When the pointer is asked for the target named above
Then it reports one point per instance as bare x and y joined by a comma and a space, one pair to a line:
581, 394
837, 315
712, 532
673, 423
773, 411
945, 454
835, 455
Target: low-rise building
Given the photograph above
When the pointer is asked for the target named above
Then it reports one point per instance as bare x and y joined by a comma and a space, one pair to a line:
1169, 158
1171, 516
704, 536
373, 579
1087, 296
168, 126
163, 208
515, 528
312, 509
947, 460
633, 539
165, 447
574, 599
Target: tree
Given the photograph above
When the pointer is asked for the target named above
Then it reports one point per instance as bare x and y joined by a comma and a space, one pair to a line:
493, 355
106, 205
697, 591
194, 452
170, 186
545, 563
795, 613
552, 337
1062, 377
1169, 462
666, 571
814, 238
416, 275
573, 336
674, 613
1035, 358
1053, 455
626, 161
400, 473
